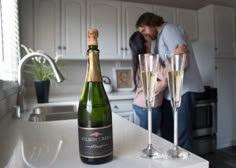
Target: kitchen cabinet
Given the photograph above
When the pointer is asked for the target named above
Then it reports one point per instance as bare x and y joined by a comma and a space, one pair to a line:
218, 22
47, 26
210, 46
116, 22
105, 15
73, 29
60, 27
188, 19
225, 85
216, 64
130, 14
224, 24
123, 108
169, 14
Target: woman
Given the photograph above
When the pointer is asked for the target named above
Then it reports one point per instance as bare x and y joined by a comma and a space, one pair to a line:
140, 44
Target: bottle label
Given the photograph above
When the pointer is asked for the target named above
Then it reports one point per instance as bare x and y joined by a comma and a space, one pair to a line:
95, 142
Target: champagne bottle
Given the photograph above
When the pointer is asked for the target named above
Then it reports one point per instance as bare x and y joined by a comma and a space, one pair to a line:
94, 115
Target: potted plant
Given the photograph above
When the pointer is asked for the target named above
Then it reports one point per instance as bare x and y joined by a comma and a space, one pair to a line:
43, 75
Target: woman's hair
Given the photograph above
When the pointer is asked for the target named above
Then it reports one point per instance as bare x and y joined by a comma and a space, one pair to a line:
137, 46
149, 19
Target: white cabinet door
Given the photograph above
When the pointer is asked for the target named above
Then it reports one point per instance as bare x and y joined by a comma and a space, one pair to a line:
224, 31
130, 14
127, 115
168, 13
47, 26
188, 19
225, 85
105, 15
73, 29
124, 108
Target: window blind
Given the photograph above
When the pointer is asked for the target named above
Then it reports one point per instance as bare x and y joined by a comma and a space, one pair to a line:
9, 37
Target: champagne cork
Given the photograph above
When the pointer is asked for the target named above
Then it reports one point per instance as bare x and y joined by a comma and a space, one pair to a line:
92, 37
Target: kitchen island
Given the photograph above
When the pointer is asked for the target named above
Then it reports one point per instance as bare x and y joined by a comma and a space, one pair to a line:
54, 144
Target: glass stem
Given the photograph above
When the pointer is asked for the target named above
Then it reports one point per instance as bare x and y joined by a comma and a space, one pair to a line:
149, 124
175, 128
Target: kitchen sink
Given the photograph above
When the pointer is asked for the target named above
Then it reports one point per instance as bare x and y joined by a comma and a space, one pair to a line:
53, 112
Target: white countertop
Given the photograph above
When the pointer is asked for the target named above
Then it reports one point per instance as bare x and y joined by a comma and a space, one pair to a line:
55, 144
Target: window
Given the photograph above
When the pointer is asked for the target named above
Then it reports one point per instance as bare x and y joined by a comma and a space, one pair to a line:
9, 40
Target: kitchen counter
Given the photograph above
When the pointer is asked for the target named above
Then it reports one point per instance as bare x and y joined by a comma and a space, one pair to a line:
55, 144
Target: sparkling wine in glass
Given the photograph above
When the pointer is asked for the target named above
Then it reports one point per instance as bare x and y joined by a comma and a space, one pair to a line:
148, 71
175, 75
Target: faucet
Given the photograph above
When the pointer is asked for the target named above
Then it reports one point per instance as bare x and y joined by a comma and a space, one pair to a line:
59, 77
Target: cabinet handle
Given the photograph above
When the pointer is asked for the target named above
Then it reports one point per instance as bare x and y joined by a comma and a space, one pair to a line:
64, 47
59, 47
121, 48
126, 49
116, 107
216, 49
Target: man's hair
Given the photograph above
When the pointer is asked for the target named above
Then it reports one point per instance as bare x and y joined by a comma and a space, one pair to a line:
149, 19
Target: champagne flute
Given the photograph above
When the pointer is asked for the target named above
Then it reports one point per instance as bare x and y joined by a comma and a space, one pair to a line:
148, 71
175, 75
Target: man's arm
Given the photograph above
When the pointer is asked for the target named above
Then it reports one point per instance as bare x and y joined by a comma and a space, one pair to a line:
175, 41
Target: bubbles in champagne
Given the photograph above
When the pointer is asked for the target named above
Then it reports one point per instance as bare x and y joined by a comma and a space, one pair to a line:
149, 80
175, 81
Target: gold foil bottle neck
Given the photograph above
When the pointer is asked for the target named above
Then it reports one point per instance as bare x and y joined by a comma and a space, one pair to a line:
93, 71
92, 37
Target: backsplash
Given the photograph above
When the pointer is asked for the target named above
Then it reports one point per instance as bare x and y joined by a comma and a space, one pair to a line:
74, 72
8, 94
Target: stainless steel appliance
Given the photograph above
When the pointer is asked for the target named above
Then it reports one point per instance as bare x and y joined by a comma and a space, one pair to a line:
205, 121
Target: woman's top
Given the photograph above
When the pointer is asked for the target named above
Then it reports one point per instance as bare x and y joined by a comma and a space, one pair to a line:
139, 98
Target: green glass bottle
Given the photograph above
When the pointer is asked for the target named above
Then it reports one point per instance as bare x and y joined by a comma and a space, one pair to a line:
94, 114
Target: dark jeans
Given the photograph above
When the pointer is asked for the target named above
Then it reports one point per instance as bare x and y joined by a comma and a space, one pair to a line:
184, 121
143, 117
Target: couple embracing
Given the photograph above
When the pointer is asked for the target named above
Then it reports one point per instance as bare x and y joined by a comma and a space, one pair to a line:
154, 35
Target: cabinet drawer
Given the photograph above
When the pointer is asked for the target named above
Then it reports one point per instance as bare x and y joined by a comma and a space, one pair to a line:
127, 115
121, 105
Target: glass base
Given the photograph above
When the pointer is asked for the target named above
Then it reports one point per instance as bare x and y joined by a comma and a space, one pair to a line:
177, 154
151, 153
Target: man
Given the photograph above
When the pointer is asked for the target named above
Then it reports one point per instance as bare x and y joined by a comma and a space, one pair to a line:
167, 37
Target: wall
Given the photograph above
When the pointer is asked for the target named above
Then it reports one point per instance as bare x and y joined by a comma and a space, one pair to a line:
8, 95
74, 73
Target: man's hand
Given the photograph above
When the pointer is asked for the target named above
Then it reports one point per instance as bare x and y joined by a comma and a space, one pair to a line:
182, 50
